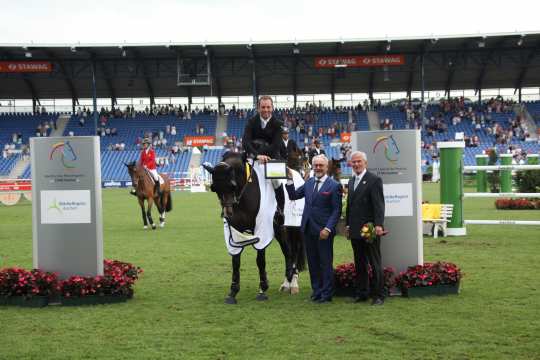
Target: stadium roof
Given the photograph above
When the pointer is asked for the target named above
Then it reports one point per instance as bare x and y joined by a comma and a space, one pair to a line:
150, 70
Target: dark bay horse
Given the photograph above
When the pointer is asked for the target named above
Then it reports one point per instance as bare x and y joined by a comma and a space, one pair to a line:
334, 169
239, 196
144, 186
290, 238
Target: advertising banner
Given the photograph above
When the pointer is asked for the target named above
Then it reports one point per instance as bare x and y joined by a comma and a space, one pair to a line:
25, 67
359, 61
199, 140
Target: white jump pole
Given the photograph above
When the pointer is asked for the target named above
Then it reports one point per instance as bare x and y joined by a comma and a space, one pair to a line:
501, 195
501, 222
500, 167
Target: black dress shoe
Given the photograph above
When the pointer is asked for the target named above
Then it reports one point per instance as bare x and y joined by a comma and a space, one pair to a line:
358, 299
324, 300
315, 298
377, 301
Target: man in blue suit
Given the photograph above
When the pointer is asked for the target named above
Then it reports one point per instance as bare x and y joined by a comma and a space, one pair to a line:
321, 214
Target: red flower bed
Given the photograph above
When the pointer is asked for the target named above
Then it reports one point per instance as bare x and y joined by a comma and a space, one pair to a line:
517, 204
118, 279
429, 274
345, 274
20, 282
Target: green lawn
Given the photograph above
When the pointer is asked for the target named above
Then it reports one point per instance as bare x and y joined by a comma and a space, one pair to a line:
178, 309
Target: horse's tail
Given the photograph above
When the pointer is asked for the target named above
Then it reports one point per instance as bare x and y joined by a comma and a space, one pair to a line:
169, 201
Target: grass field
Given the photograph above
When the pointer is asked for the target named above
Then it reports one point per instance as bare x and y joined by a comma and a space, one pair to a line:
178, 310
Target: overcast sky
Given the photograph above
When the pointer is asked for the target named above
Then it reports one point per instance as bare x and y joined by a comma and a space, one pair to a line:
136, 21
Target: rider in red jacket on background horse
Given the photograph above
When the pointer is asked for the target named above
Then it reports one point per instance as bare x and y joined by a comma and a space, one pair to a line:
148, 161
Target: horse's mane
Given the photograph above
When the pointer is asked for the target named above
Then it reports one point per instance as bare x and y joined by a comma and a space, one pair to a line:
234, 158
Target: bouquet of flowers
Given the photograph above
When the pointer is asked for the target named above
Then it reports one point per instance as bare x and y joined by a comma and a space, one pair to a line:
368, 233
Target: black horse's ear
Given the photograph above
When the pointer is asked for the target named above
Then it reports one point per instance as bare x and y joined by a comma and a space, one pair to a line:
208, 167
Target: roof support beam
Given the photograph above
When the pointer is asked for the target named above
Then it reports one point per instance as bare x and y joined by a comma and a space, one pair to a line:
485, 61
214, 71
146, 75
67, 76
371, 85
108, 81
295, 80
32, 89
255, 87
525, 66
452, 66
337, 51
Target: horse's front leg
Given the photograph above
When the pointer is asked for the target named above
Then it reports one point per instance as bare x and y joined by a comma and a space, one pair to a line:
263, 284
235, 283
149, 214
143, 213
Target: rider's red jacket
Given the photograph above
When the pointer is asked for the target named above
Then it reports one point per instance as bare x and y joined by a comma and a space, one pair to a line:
148, 158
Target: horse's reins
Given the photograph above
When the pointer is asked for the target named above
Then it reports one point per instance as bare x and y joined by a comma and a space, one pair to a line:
248, 180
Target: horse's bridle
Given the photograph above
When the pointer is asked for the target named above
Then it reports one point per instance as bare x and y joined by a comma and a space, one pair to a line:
236, 199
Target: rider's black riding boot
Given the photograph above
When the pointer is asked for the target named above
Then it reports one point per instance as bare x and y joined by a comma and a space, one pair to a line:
156, 189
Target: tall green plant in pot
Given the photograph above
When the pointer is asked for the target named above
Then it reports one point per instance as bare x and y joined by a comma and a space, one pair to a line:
493, 176
528, 181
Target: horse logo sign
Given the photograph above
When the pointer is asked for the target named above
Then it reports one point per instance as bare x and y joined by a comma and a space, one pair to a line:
390, 146
64, 151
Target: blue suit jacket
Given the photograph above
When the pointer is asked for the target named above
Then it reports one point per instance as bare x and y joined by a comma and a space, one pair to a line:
323, 208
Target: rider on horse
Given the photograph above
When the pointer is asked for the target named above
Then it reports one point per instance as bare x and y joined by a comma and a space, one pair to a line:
148, 161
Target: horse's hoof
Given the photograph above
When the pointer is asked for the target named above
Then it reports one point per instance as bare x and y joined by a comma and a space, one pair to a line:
295, 291
145, 227
162, 225
230, 300
284, 288
154, 226
261, 297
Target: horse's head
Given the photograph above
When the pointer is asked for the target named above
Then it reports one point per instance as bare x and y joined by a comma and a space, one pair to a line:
334, 168
228, 180
132, 170
295, 159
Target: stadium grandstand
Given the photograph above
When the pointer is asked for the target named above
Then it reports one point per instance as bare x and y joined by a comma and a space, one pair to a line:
194, 100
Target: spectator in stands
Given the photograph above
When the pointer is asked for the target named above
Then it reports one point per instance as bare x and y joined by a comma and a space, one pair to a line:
286, 145
229, 146
316, 150
387, 124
